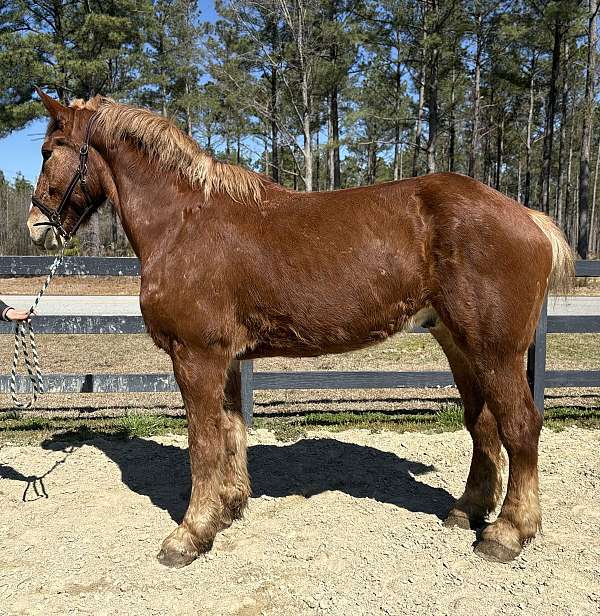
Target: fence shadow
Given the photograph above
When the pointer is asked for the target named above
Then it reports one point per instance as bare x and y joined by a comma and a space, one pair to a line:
306, 467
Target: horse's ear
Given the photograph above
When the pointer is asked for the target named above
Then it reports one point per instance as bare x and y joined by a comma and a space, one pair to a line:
56, 110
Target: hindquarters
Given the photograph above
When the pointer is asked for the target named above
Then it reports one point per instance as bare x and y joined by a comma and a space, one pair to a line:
488, 263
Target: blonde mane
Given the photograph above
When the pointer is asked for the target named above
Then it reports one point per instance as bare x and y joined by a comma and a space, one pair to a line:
166, 144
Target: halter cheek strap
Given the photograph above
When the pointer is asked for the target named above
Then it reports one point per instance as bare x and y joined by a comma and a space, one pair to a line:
55, 216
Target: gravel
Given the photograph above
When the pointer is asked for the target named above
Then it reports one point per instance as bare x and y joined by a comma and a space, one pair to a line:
340, 523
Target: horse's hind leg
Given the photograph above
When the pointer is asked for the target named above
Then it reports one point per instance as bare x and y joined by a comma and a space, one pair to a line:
235, 489
200, 374
484, 483
519, 423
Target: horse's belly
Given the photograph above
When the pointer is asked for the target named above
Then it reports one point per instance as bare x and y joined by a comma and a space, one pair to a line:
282, 337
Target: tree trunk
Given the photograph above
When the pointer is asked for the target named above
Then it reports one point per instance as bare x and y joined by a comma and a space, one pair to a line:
432, 96
90, 238
188, 110
273, 36
487, 144
474, 145
452, 123
487, 155
569, 213
317, 180
266, 158
401, 164
586, 134
544, 188
397, 89
306, 110
334, 140
418, 125
421, 104
114, 227
593, 215
371, 161
499, 152
559, 211
307, 143
528, 142
397, 154
333, 122
274, 168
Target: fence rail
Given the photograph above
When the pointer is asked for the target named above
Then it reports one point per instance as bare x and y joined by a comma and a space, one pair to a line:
539, 377
27, 267
77, 324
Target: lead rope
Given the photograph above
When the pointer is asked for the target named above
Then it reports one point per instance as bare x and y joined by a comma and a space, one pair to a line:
22, 328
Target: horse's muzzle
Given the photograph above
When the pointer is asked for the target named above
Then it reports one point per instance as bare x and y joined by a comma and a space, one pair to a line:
42, 235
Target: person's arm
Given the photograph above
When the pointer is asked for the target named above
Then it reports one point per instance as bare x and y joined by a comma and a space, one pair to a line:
4, 308
8, 313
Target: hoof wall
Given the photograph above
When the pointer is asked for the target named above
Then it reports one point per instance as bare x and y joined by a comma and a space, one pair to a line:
175, 559
457, 521
495, 552
461, 520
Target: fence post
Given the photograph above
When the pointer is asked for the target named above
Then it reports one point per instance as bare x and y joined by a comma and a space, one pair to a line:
536, 359
247, 390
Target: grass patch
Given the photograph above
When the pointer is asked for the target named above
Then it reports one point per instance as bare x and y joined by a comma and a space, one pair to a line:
287, 428
19, 428
560, 418
36, 429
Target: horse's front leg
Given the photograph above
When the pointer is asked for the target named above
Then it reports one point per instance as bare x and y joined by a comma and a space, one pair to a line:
235, 489
200, 374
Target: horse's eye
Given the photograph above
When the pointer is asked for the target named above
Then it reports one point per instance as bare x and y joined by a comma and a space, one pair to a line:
46, 154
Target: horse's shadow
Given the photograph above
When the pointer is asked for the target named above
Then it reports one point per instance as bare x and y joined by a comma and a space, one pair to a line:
306, 467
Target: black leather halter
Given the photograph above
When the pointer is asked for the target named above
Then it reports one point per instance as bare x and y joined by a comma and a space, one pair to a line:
79, 179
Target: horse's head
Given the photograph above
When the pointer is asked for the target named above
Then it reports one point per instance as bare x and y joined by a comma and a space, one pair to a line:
70, 185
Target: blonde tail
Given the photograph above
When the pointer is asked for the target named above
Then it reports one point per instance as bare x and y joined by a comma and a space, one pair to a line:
563, 261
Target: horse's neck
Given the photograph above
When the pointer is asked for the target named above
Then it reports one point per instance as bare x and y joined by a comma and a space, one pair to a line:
145, 199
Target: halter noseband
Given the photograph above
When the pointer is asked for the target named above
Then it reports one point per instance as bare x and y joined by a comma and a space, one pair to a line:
79, 178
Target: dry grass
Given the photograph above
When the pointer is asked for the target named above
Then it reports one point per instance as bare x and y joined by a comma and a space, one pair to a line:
587, 286
73, 285
130, 285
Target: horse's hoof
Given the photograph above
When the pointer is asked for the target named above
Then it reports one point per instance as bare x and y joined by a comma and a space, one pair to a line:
458, 519
178, 549
496, 552
176, 558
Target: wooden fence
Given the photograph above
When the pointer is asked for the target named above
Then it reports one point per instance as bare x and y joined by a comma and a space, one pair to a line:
251, 381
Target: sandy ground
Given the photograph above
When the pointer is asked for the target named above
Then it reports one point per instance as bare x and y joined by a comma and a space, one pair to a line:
345, 523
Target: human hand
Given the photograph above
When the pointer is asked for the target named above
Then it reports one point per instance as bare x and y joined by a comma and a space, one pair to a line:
17, 315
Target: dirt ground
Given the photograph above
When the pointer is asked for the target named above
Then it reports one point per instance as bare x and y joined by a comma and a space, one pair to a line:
344, 523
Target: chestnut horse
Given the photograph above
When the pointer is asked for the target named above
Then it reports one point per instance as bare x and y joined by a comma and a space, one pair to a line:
235, 266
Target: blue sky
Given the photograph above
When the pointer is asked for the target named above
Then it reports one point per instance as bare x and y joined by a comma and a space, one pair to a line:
20, 151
